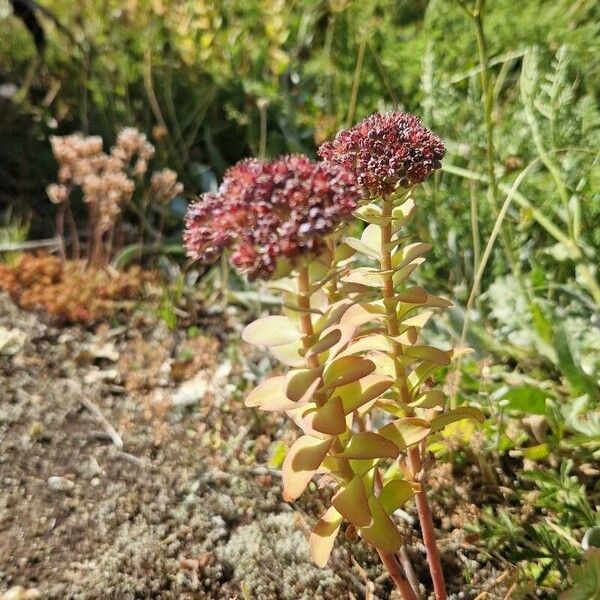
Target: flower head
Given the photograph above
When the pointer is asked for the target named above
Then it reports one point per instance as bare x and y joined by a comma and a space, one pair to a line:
386, 151
265, 212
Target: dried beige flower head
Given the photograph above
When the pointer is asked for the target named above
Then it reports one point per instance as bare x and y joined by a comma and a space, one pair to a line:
164, 186
58, 193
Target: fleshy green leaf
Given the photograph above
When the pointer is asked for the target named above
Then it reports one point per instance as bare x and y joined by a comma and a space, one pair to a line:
329, 418
275, 330
395, 493
382, 532
406, 432
352, 503
368, 444
270, 395
346, 370
301, 463
301, 384
457, 414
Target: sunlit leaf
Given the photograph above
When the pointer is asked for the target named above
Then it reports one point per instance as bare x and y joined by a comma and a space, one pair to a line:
323, 536
346, 370
406, 432
408, 253
360, 246
301, 463
401, 275
352, 503
275, 330
457, 414
382, 532
270, 395
301, 384
364, 276
288, 354
394, 494
358, 393
367, 444
329, 418
402, 214
430, 399
428, 353
359, 314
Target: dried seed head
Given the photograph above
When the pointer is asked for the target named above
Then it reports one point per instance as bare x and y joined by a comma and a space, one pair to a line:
386, 151
164, 186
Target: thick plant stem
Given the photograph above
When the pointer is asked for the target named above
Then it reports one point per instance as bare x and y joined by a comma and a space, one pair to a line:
397, 575
305, 320
414, 456
433, 556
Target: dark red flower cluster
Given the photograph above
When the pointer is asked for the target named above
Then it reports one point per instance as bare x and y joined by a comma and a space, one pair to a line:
386, 151
267, 211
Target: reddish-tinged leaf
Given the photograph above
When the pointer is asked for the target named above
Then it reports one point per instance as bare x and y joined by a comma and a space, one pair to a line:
394, 494
270, 395
326, 341
352, 503
301, 463
359, 393
458, 414
329, 418
301, 384
323, 536
413, 295
346, 370
406, 432
289, 354
382, 532
367, 444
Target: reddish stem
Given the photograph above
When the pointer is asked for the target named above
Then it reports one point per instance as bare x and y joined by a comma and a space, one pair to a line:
397, 574
433, 556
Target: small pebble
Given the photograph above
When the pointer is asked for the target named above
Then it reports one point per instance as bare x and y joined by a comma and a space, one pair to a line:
60, 484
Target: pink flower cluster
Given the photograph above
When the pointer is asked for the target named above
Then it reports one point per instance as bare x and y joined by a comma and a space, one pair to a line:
270, 211
386, 151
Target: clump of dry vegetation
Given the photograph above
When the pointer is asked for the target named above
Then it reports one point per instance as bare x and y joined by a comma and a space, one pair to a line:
68, 291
